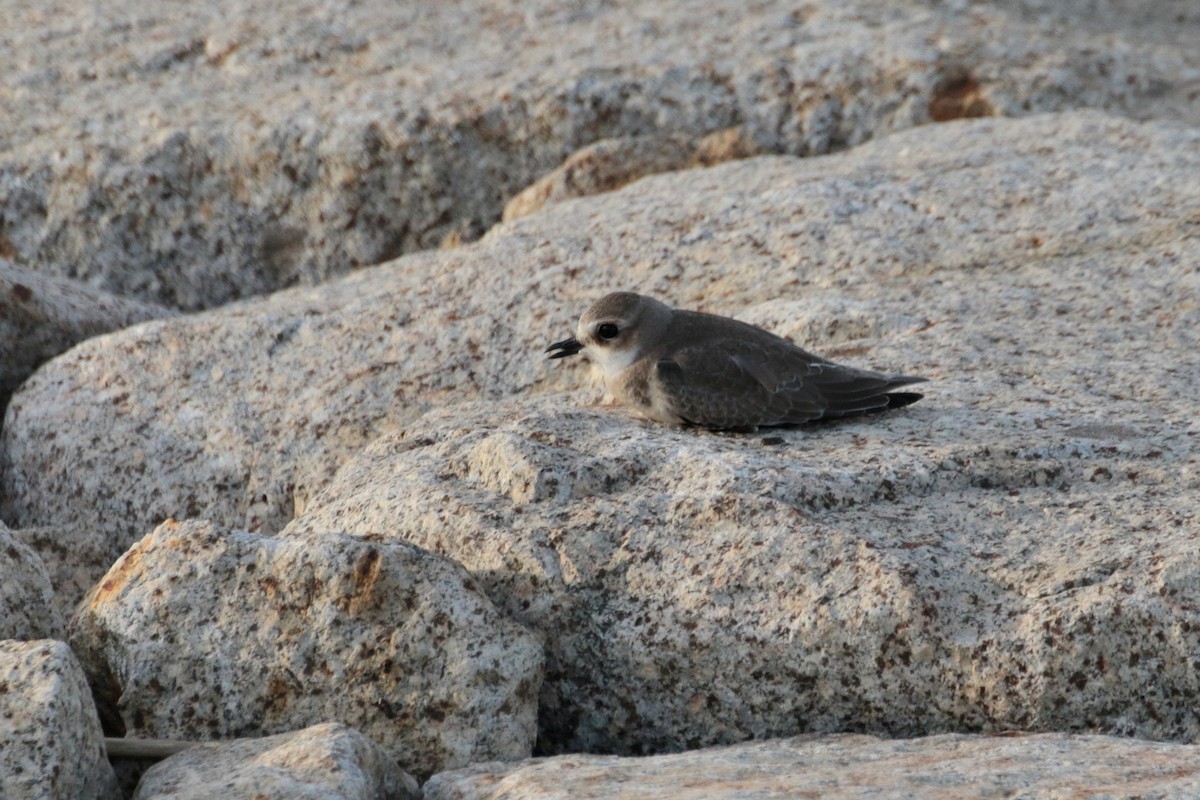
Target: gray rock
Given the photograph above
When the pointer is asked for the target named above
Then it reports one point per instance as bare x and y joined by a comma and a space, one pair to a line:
986, 232
612, 163
74, 559
199, 633
41, 316
323, 761
951, 767
27, 607
50, 741
1013, 552
222, 150
968, 563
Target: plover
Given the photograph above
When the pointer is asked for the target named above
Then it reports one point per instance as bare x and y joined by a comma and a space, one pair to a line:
689, 368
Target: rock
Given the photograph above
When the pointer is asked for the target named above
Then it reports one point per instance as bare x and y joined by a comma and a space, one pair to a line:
74, 560
948, 226
218, 151
975, 562
323, 761
200, 633
42, 316
27, 608
50, 740
953, 767
612, 163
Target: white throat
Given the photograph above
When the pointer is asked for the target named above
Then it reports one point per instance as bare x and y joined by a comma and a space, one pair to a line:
610, 361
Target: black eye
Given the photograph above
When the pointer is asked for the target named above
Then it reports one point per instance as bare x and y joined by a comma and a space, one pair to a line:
607, 331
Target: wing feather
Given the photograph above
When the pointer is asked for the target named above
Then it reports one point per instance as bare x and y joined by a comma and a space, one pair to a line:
739, 383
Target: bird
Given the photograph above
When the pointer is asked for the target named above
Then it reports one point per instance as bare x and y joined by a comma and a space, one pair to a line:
689, 368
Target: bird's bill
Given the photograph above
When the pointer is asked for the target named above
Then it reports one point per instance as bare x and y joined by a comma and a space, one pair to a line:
567, 347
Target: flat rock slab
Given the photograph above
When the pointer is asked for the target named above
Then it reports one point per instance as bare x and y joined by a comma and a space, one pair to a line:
50, 741
224, 149
323, 762
952, 767
199, 633
1032, 244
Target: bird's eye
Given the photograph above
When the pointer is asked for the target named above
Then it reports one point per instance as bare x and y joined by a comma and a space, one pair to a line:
607, 331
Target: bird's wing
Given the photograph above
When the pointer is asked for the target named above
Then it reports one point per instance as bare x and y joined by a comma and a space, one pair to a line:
733, 384
745, 384
846, 391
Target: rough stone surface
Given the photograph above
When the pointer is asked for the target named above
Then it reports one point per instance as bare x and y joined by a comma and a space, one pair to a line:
27, 607
229, 148
41, 316
994, 232
324, 762
988, 559
50, 741
1016, 551
613, 163
75, 558
199, 633
951, 767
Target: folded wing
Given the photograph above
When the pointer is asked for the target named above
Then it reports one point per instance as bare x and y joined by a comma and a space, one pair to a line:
747, 384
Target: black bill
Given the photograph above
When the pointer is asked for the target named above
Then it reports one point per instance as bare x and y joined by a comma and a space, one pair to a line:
567, 347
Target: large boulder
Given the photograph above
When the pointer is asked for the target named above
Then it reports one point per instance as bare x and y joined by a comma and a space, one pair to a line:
998, 556
1015, 551
200, 633
233, 148
27, 601
1036, 245
950, 767
41, 316
73, 557
51, 746
324, 762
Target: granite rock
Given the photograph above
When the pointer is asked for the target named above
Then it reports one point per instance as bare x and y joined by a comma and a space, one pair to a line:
1018, 550
74, 558
226, 149
987, 231
323, 762
200, 633
27, 600
998, 556
948, 767
50, 741
41, 316
612, 163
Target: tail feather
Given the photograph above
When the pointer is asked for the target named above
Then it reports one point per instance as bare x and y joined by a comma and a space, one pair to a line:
866, 393
902, 399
